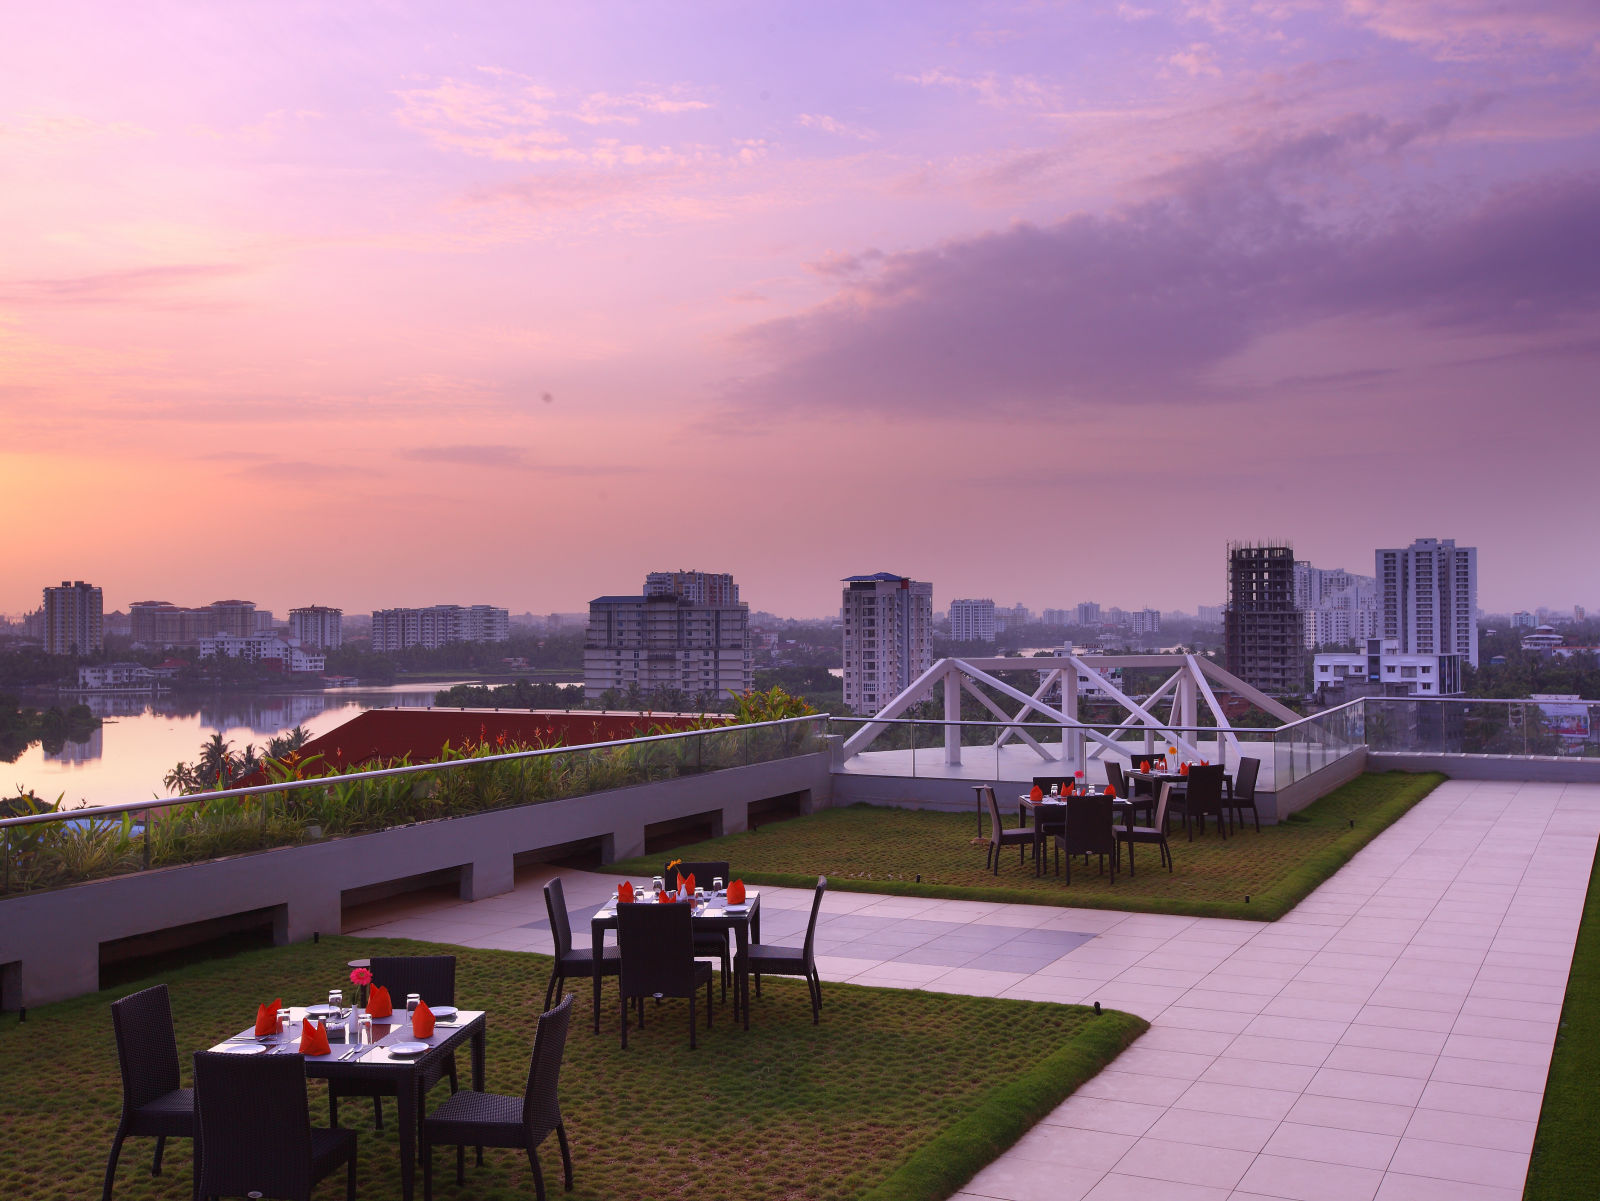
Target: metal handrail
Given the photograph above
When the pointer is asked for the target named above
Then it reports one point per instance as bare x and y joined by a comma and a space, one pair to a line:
1056, 725
97, 811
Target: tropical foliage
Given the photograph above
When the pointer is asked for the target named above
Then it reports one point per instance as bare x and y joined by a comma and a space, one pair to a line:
50, 855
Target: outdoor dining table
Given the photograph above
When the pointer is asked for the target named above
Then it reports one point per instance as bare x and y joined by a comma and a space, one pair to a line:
372, 1061
710, 917
1045, 805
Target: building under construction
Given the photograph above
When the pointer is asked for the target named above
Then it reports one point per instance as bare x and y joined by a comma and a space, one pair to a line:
1263, 630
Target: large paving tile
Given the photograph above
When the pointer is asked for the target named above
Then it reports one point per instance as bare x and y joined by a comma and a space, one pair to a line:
1185, 1163
1332, 1144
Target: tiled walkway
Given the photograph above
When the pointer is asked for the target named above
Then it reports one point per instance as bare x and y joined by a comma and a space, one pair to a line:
1387, 1040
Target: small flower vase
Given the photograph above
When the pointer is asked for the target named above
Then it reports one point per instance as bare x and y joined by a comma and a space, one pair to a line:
361, 996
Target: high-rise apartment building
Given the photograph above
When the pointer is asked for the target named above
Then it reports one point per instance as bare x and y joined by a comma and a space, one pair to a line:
701, 587
667, 640
438, 625
1058, 617
1523, 620
888, 637
972, 620
162, 623
317, 626
1428, 593
1088, 614
1263, 631
1144, 621
74, 619
1340, 607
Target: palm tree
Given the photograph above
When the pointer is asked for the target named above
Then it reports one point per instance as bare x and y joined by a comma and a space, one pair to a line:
248, 761
180, 779
216, 762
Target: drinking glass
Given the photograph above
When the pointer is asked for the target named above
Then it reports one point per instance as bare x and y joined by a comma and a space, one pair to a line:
412, 1001
364, 1028
658, 885
1055, 790
716, 886
283, 1025
336, 998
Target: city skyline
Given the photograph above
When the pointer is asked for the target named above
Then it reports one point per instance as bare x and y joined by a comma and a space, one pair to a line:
295, 302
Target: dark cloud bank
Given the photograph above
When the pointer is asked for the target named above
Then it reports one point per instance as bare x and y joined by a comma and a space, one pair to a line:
1134, 305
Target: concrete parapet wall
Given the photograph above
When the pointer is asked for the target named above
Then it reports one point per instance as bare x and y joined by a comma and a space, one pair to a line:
50, 941
1535, 769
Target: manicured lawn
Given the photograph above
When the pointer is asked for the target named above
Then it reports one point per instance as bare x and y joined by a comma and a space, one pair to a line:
1566, 1154
876, 849
897, 1094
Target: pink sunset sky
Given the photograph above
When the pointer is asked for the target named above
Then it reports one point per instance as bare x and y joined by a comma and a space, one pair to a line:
398, 304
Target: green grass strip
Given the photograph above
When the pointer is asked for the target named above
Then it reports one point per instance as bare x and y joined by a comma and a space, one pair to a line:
958, 1153
1566, 1153
880, 849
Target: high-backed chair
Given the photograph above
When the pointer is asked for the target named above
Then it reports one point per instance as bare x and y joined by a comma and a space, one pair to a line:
255, 1132
431, 977
708, 944
1202, 798
1155, 833
490, 1120
767, 960
999, 836
1089, 831
570, 961
1243, 795
657, 945
147, 1052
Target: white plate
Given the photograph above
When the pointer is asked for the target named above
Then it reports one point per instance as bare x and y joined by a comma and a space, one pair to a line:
323, 1011
241, 1049
443, 1011
737, 908
405, 1050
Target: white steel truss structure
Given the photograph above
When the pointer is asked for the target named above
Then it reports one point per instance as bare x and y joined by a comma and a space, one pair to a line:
1187, 687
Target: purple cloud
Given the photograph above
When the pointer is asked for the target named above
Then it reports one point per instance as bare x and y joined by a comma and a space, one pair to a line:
1137, 304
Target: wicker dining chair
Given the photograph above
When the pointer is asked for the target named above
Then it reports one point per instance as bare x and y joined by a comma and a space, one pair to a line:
431, 977
712, 944
1155, 833
1202, 798
578, 962
766, 959
1089, 831
491, 1120
255, 1134
657, 945
999, 836
147, 1053
1243, 794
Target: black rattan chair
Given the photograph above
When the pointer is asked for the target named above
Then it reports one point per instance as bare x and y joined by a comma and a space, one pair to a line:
764, 959
1202, 798
489, 1120
568, 961
1155, 833
1090, 831
255, 1132
657, 944
147, 1053
707, 943
999, 836
431, 977
1243, 794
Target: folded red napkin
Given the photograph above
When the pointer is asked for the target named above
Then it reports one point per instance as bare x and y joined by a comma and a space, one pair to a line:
378, 1004
1110, 791
1183, 769
688, 883
422, 1020
267, 1017
625, 892
1037, 794
736, 893
1144, 765
314, 1039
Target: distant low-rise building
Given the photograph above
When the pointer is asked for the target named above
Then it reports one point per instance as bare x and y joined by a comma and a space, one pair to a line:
116, 675
1543, 638
1384, 670
438, 625
268, 649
